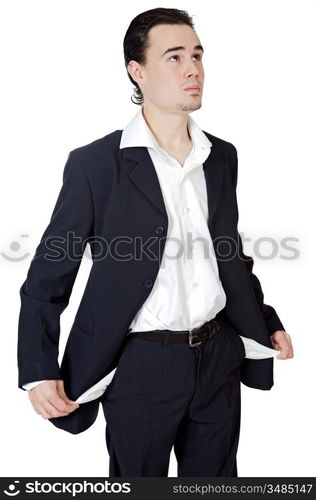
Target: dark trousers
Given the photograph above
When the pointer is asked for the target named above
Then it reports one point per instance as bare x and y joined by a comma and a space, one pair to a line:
164, 395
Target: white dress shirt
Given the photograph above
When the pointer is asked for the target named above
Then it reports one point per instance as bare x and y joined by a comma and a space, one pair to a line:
187, 291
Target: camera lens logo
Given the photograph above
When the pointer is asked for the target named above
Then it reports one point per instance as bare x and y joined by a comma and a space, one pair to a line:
14, 248
13, 492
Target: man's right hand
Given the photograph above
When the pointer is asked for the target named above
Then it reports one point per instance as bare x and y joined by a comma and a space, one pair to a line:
50, 400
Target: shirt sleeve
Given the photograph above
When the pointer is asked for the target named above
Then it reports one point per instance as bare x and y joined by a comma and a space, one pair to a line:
31, 385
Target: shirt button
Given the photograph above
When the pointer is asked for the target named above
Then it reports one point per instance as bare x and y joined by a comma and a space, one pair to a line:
148, 283
195, 284
187, 209
159, 230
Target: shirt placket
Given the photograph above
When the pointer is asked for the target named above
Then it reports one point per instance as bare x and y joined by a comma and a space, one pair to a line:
185, 227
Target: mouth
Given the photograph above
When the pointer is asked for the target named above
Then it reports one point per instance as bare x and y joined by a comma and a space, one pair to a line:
193, 89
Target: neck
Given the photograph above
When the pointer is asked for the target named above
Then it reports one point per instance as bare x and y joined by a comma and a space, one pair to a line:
169, 129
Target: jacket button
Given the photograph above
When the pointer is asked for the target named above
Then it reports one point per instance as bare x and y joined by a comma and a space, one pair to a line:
160, 230
148, 283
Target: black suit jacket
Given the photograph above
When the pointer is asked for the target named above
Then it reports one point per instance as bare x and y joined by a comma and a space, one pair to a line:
109, 193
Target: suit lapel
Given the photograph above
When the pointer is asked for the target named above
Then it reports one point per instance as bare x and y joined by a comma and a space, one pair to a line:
144, 176
214, 173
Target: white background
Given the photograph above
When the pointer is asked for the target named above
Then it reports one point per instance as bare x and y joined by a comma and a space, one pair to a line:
64, 85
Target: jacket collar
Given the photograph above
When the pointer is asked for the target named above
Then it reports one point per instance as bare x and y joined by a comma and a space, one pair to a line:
137, 137
138, 134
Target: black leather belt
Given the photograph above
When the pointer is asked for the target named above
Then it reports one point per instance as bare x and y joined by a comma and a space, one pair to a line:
194, 337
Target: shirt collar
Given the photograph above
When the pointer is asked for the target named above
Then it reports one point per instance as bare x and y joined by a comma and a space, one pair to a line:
138, 134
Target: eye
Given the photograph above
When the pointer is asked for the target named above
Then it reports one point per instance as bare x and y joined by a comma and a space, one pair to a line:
194, 55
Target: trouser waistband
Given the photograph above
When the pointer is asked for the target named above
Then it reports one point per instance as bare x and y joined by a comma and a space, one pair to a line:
194, 336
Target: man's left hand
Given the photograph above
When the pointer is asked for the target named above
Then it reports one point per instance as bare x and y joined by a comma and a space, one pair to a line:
281, 341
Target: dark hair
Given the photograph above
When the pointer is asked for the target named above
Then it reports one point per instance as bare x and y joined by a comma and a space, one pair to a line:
136, 41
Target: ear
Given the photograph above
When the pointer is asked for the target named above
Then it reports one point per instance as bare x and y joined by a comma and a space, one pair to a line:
135, 70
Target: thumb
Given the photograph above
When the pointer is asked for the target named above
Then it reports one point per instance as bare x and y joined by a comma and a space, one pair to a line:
62, 394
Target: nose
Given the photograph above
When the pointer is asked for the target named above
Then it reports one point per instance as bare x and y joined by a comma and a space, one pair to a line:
192, 69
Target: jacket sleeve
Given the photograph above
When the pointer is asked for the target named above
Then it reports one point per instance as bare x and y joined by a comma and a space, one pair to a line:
46, 291
272, 320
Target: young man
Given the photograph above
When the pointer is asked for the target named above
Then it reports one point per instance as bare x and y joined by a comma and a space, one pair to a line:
172, 317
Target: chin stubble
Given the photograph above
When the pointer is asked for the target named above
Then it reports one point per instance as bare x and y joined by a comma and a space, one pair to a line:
189, 107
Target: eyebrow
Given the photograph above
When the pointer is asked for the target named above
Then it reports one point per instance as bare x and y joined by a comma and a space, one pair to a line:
173, 49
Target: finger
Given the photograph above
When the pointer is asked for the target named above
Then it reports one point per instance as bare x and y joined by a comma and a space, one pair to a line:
281, 355
284, 352
60, 404
44, 414
63, 395
289, 347
50, 411
284, 345
275, 345
45, 403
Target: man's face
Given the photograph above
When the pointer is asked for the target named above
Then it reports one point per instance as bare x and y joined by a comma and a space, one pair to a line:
167, 74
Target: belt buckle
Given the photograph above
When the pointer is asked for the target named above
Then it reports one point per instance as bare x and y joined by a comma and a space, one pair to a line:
191, 336
209, 327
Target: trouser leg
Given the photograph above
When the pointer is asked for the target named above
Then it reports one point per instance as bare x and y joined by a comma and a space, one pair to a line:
207, 439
